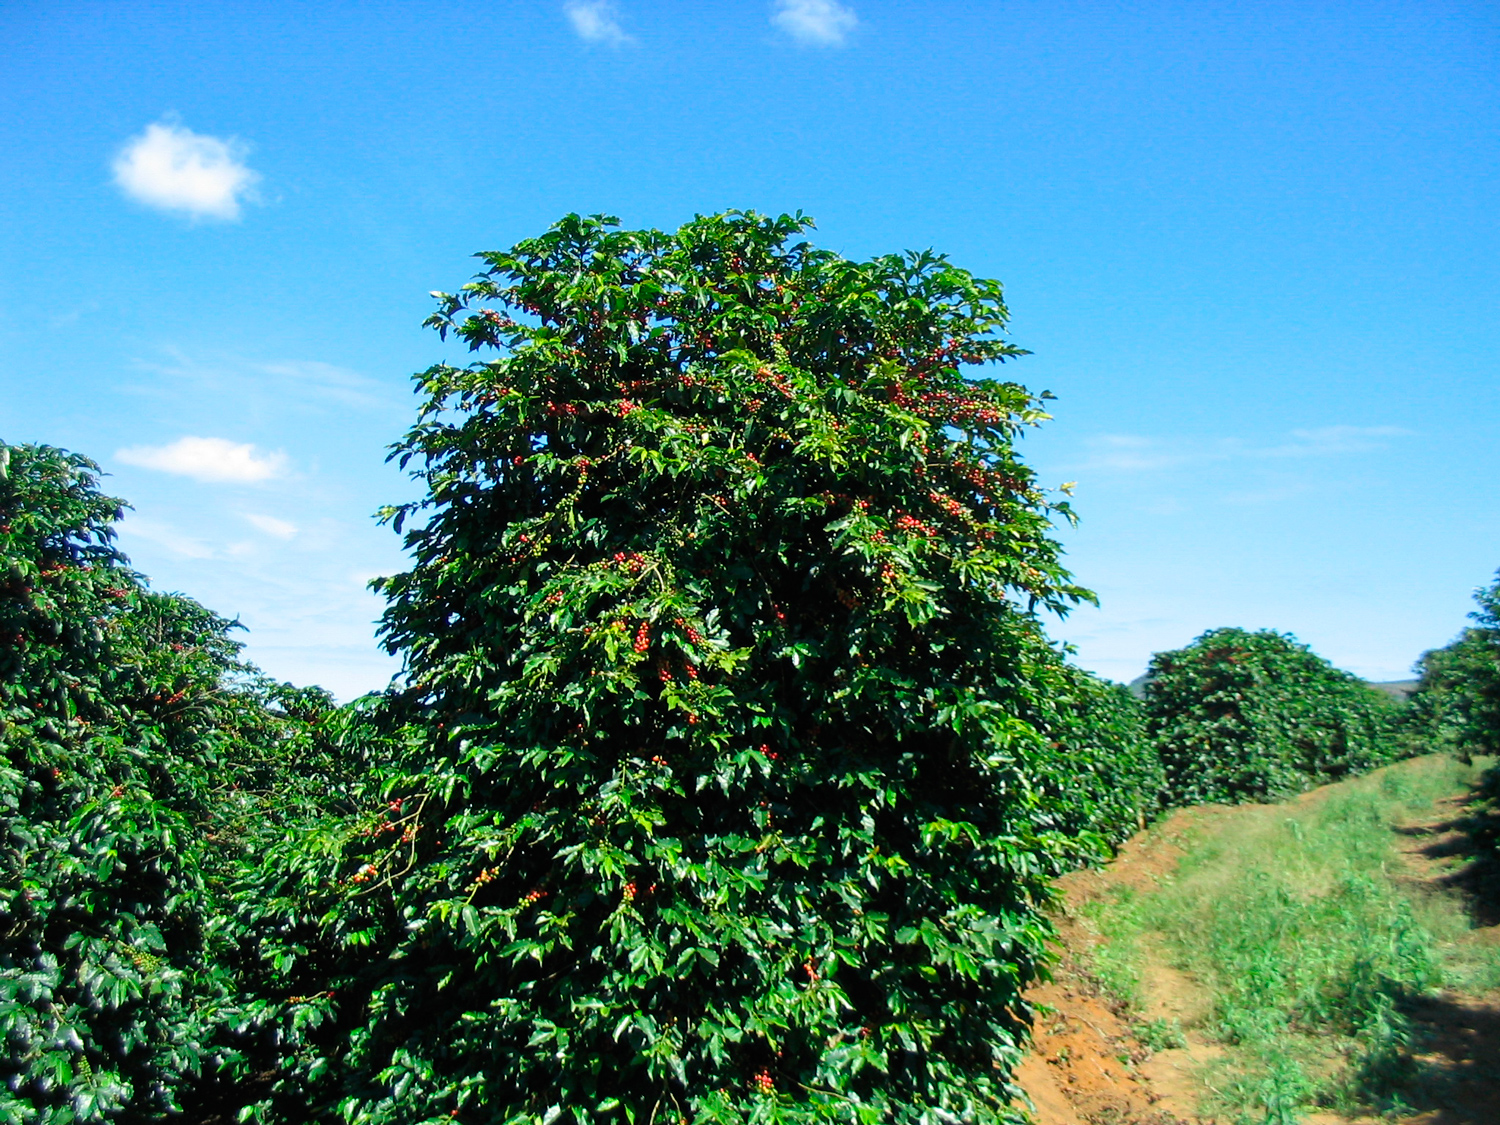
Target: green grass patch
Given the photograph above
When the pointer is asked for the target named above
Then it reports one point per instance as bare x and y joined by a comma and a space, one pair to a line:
1292, 920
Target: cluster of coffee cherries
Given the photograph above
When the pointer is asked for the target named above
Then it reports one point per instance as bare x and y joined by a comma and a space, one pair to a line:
947, 503
632, 562
631, 890
959, 408
943, 355
484, 878
911, 523
775, 380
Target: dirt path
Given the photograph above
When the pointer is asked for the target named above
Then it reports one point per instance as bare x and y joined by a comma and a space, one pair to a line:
1089, 1065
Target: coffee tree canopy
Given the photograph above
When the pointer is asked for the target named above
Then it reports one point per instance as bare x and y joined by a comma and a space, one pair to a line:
723, 793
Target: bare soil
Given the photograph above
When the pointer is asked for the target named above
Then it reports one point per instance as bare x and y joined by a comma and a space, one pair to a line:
1088, 1066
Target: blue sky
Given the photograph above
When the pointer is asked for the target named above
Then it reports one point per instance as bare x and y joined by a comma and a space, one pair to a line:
1252, 246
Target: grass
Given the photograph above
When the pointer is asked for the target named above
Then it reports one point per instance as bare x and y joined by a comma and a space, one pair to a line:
1291, 920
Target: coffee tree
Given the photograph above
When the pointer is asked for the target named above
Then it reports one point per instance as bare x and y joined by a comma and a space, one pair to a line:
132, 745
723, 789
1457, 702
1242, 716
1103, 770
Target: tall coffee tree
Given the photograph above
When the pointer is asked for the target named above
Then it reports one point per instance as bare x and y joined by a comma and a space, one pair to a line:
719, 800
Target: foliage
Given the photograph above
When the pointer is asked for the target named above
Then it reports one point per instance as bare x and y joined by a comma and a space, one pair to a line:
1457, 702
721, 787
1104, 771
133, 743
1241, 716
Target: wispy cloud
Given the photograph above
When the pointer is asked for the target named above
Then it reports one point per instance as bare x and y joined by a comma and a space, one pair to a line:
1134, 452
1131, 451
261, 388
596, 21
165, 535
315, 379
1335, 439
173, 168
207, 459
281, 529
815, 23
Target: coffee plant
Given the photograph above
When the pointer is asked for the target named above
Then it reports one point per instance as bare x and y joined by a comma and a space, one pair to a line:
1104, 771
1241, 716
135, 747
1457, 702
729, 765
1456, 707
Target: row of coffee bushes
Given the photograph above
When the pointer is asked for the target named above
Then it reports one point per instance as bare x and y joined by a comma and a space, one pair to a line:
202, 870
172, 818
1456, 706
1255, 716
143, 765
1457, 702
730, 767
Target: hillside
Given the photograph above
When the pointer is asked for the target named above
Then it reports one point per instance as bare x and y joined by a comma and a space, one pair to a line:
1140, 1026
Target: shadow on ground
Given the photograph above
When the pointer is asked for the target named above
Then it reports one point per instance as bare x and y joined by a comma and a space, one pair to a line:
1473, 838
1454, 1076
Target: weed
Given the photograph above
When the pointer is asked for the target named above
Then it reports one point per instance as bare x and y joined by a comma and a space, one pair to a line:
1160, 1034
1113, 962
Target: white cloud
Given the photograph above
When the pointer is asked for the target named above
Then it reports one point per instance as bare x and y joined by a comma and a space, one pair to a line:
176, 169
272, 526
815, 23
596, 21
207, 459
